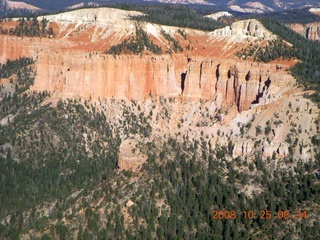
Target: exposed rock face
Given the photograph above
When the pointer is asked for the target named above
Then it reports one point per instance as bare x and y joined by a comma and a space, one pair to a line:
311, 30
20, 5
74, 65
244, 29
104, 76
129, 203
283, 150
129, 156
243, 148
202, 2
78, 74
315, 11
269, 149
216, 16
250, 7
103, 16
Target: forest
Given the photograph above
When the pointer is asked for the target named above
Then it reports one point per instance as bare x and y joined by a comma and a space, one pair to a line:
290, 16
42, 153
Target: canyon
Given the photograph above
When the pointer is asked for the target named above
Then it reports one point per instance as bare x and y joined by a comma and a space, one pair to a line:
74, 64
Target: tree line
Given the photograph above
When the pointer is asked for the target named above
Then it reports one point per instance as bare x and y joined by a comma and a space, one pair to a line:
30, 27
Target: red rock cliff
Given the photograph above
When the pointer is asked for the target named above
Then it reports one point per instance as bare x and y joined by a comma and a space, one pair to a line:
76, 66
227, 81
76, 73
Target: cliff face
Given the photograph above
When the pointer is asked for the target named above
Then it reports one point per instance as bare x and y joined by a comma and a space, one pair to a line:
77, 74
230, 82
311, 30
73, 64
105, 76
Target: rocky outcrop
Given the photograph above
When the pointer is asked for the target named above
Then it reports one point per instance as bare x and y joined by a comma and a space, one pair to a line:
15, 5
217, 15
244, 29
283, 150
243, 148
315, 11
268, 149
94, 15
129, 156
311, 30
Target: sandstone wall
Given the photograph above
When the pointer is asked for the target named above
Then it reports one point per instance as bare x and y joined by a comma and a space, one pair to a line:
311, 30
76, 73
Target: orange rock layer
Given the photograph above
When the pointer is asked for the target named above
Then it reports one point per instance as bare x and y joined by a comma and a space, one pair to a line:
77, 73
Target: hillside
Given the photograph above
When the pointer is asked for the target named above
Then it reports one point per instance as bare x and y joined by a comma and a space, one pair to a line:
115, 127
240, 6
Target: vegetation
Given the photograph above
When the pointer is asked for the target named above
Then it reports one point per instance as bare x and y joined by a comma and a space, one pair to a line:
11, 67
59, 178
307, 71
174, 44
135, 45
182, 33
192, 191
274, 49
175, 198
21, 68
171, 15
290, 16
30, 28
43, 152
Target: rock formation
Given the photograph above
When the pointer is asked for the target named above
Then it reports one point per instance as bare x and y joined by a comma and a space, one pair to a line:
311, 30
244, 29
74, 63
100, 75
104, 76
243, 148
129, 156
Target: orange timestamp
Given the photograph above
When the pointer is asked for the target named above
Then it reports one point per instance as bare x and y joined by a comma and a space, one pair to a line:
263, 214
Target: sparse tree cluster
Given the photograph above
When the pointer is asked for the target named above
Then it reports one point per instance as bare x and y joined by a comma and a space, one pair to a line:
136, 45
174, 44
30, 27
